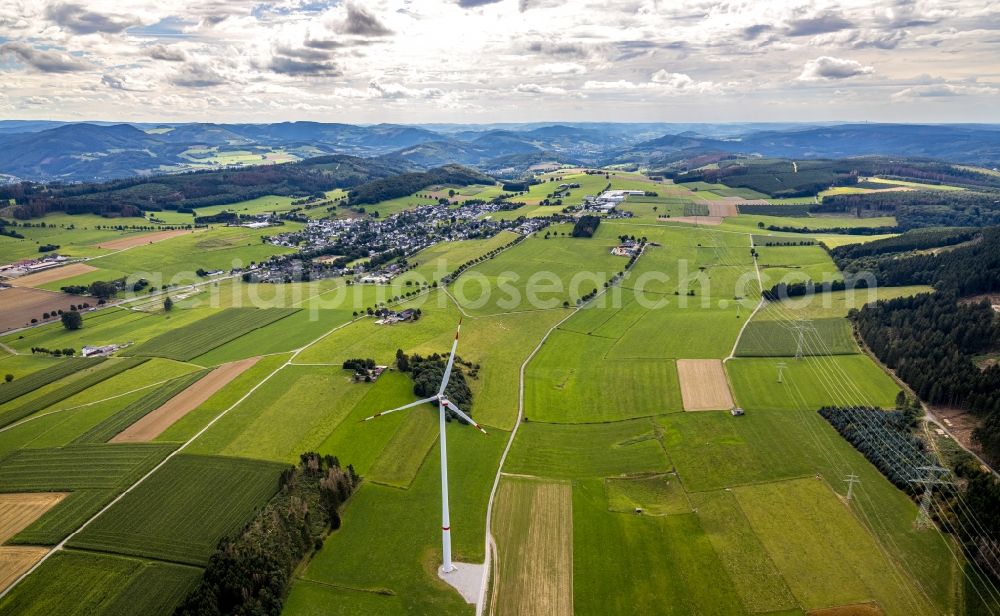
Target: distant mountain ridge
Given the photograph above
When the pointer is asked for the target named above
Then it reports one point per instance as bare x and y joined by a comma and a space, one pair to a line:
96, 151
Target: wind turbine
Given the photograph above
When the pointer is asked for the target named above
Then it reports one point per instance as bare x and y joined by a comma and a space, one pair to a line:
443, 403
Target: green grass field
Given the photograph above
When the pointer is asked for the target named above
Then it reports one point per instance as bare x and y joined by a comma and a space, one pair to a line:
570, 381
615, 571
107, 326
832, 304
810, 383
61, 427
93, 474
189, 425
60, 390
567, 451
660, 494
83, 583
131, 413
174, 261
180, 513
773, 338
76, 235
537, 274
292, 413
755, 577
40, 378
186, 343
847, 567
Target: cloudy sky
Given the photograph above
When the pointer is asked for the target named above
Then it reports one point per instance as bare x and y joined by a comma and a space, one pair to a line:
500, 60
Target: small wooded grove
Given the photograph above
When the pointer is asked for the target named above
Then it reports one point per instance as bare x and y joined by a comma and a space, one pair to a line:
885, 438
427, 373
586, 226
251, 573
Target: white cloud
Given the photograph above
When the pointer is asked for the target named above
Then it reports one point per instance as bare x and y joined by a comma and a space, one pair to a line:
398, 91
534, 88
944, 91
559, 68
682, 60
828, 67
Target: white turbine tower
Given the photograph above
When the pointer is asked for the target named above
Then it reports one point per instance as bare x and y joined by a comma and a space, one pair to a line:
443, 403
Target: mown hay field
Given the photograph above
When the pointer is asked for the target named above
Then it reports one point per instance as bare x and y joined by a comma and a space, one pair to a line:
534, 535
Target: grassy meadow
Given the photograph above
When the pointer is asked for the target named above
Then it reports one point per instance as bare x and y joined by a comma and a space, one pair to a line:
737, 515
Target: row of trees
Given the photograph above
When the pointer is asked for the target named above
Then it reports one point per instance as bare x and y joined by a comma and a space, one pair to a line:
486, 257
251, 573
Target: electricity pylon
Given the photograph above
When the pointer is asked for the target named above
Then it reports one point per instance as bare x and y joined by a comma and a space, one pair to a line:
933, 478
851, 480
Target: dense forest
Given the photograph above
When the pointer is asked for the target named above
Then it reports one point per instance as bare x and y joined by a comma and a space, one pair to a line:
919, 239
922, 208
408, 183
130, 197
778, 178
251, 573
964, 270
932, 341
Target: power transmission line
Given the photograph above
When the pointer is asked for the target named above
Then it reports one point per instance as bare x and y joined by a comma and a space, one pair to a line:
933, 478
851, 480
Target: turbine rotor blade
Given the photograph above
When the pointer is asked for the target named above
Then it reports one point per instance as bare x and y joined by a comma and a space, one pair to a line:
451, 360
402, 408
454, 409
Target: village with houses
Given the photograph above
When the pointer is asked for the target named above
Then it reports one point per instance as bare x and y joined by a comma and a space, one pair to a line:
369, 249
